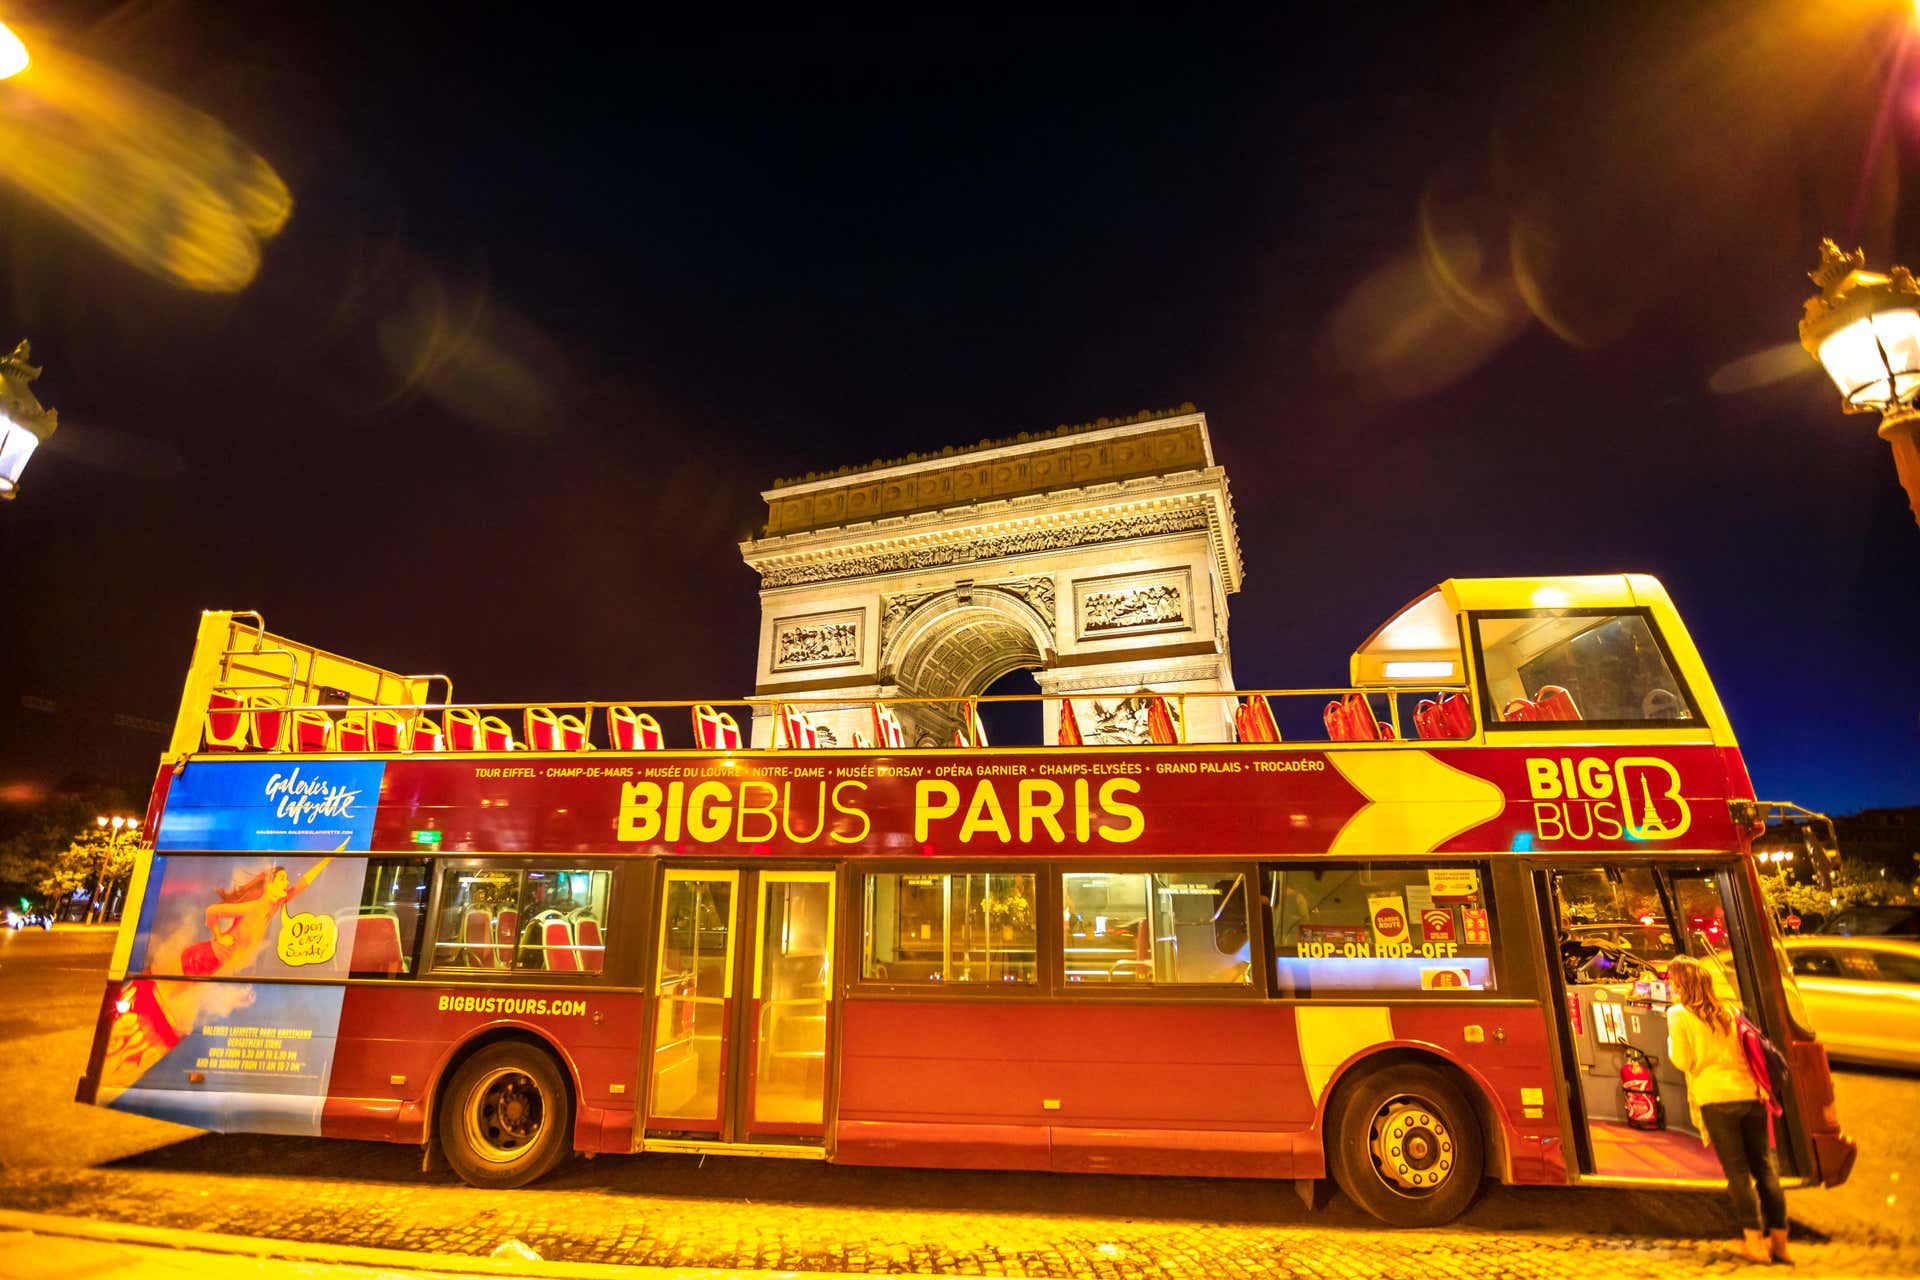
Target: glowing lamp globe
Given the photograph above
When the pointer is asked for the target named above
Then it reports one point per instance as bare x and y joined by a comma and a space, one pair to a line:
13, 54
1864, 329
24, 422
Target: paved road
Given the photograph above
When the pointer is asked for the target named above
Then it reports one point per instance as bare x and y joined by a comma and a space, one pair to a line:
663, 1210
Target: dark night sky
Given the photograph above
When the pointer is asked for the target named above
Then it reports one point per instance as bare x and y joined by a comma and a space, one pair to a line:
1463, 291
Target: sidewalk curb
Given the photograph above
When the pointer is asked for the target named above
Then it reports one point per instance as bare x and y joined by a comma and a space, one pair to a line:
265, 1247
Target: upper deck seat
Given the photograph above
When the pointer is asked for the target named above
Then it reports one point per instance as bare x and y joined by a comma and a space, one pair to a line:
386, 732
574, 735
463, 729
311, 730
886, 728
861, 742
543, 729
351, 732
269, 712
422, 734
630, 730
1555, 703
226, 725
1517, 709
1351, 719
495, 735
797, 729
1253, 720
714, 730
1448, 717
1160, 727
1069, 732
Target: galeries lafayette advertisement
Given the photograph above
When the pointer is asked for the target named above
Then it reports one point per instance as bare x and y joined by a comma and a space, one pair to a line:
981, 804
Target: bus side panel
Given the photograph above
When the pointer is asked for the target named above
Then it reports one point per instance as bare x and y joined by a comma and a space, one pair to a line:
396, 1041
1162, 1087
1512, 1063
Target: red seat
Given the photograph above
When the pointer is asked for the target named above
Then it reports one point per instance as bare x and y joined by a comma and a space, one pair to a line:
886, 728
1555, 703
797, 729
1160, 729
226, 727
629, 730
1253, 720
715, 730
592, 951
1449, 717
463, 729
971, 732
1518, 709
543, 730
506, 936
269, 720
477, 935
376, 945
556, 940
1069, 735
312, 730
1351, 719
386, 731
495, 735
424, 735
573, 733
351, 733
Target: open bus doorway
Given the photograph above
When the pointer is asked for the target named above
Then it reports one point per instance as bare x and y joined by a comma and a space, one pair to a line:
1612, 930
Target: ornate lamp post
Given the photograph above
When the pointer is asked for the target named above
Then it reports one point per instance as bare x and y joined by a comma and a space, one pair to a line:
1864, 328
96, 904
24, 423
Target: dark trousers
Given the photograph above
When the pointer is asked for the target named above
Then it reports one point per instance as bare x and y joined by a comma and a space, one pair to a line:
1739, 1134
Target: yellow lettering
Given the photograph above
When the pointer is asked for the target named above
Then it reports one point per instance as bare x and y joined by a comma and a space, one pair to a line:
639, 811
1040, 802
853, 811
985, 813
1548, 816
764, 811
1544, 779
1596, 780
702, 825
676, 795
926, 809
1082, 812
819, 815
1136, 822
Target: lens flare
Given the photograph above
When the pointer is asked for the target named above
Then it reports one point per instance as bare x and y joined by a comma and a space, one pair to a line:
13, 54
160, 184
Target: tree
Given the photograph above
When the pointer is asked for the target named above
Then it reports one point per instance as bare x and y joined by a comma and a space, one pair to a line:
1854, 884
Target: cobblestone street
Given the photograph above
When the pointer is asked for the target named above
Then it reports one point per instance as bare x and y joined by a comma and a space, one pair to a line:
678, 1211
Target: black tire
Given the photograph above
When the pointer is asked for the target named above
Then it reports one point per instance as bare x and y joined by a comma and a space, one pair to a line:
1405, 1146
505, 1118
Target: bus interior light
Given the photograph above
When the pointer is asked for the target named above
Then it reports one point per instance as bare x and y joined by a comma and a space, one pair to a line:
1409, 670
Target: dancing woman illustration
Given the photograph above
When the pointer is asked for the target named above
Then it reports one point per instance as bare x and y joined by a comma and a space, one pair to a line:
238, 922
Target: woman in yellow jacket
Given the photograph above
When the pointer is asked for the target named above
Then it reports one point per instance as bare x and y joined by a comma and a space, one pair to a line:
1728, 1107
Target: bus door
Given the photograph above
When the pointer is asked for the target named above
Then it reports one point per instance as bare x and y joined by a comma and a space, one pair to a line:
743, 987
1612, 929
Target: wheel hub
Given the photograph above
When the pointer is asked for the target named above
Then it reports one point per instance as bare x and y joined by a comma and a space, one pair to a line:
505, 1115
1412, 1149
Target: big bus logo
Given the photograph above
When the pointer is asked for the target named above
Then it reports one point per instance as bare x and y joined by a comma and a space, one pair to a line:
1590, 797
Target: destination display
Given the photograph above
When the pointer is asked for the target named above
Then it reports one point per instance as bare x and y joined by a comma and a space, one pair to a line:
948, 805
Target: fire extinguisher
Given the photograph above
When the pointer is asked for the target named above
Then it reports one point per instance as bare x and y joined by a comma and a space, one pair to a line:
1640, 1092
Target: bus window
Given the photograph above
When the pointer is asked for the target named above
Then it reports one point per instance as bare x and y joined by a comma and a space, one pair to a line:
387, 927
515, 918
972, 928
1621, 925
1155, 927
1555, 666
1381, 927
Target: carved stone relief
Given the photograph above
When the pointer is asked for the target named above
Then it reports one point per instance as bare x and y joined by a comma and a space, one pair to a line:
1135, 605
821, 640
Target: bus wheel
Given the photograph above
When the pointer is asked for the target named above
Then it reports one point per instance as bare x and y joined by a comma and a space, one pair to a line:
505, 1119
1407, 1147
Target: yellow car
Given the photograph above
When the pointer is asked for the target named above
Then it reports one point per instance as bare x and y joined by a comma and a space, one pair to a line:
1863, 995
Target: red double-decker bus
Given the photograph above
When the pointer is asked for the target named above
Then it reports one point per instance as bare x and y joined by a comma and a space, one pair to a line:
1410, 933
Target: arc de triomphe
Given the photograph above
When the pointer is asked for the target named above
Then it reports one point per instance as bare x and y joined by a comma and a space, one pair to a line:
1098, 557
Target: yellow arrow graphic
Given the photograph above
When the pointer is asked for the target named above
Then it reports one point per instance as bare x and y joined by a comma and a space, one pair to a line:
1414, 802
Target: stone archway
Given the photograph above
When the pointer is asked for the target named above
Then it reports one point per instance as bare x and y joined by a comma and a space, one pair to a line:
956, 643
1099, 557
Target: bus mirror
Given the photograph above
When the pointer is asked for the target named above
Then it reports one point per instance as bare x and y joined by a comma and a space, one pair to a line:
1821, 850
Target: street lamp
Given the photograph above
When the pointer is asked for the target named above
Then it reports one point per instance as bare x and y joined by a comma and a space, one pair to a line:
1864, 327
24, 423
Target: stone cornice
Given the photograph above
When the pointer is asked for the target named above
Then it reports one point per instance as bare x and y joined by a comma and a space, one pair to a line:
1142, 507
1149, 507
